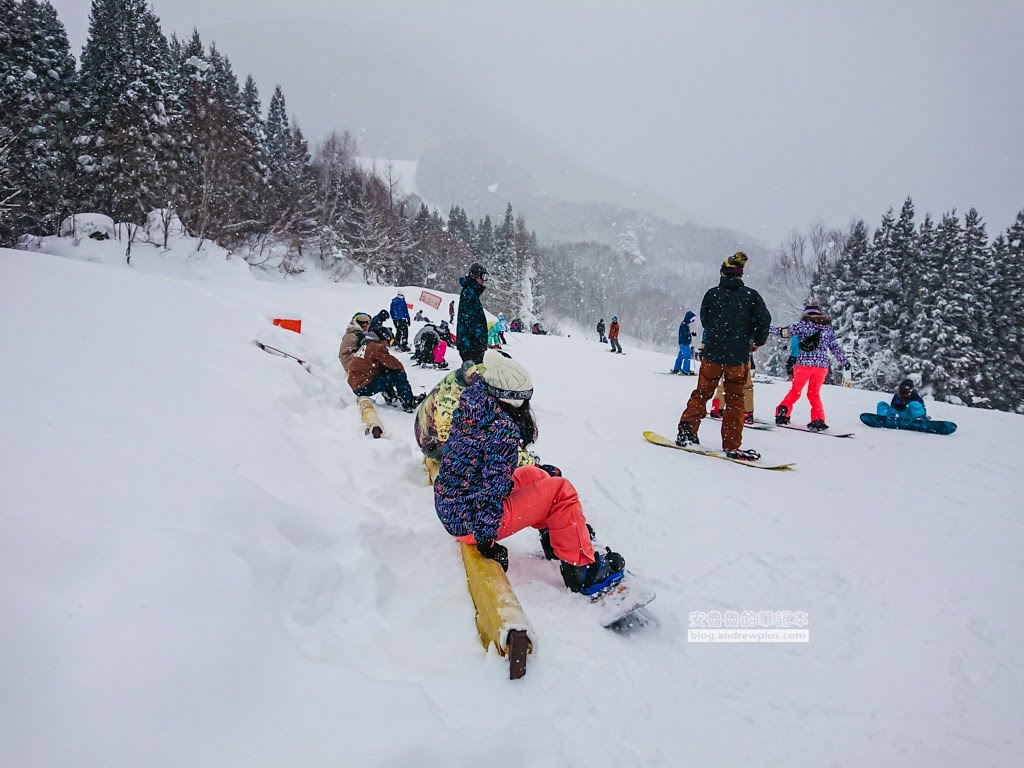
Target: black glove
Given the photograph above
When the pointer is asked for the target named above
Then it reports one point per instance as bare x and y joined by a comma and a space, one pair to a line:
494, 551
551, 469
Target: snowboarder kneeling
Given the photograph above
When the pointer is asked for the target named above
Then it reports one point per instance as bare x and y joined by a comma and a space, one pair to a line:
374, 370
481, 496
906, 404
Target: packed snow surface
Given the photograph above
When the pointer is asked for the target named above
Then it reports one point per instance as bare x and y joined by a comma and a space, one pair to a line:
206, 563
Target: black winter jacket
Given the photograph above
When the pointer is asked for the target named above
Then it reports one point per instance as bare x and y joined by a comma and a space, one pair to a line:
734, 318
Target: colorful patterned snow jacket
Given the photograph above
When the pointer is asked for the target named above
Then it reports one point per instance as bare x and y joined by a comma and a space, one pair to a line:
476, 468
434, 416
817, 358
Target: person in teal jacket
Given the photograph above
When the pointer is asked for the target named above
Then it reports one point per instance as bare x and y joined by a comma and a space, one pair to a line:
906, 404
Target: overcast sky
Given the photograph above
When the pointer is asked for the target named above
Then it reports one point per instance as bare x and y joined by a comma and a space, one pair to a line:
757, 115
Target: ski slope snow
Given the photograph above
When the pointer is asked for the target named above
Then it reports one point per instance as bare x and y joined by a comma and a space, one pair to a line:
205, 562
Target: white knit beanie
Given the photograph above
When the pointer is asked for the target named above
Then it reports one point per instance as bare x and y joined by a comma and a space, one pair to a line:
506, 379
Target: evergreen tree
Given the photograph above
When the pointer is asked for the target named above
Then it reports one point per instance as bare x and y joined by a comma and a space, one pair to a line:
125, 86
38, 75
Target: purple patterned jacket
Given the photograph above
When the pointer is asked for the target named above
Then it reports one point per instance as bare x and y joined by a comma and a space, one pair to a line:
476, 468
804, 328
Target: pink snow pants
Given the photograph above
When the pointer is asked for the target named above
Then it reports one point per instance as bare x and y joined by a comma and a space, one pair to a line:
439, 350
812, 377
541, 501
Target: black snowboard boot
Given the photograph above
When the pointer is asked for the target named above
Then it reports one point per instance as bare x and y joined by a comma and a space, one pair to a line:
782, 415
743, 454
685, 437
818, 425
410, 405
390, 398
606, 571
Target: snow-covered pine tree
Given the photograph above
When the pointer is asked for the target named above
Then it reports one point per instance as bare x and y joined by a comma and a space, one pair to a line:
124, 77
39, 77
1007, 291
952, 333
981, 310
845, 295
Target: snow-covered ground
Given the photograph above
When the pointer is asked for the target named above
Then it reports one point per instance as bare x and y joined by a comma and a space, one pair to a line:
204, 562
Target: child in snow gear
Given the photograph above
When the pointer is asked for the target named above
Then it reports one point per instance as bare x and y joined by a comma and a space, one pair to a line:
493, 336
906, 404
429, 347
685, 350
374, 370
400, 317
353, 338
816, 340
471, 331
600, 331
502, 328
735, 321
613, 336
482, 496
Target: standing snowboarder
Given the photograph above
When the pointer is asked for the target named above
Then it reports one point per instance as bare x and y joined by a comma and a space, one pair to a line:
817, 339
400, 317
451, 311
471, 331
685, 350
613, 336
481, 495
600, 331
735, 321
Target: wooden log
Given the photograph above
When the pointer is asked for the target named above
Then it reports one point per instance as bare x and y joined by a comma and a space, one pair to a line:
500, 619
370, 417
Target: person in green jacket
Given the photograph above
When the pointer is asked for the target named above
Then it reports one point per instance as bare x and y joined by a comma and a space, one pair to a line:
736, 322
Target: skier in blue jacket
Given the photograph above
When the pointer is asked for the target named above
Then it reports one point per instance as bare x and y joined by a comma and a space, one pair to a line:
400, 317
685, 350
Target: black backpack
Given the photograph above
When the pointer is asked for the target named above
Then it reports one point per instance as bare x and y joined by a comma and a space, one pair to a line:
810, 343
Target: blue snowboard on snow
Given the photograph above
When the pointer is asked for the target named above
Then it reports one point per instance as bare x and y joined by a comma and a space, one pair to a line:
914, 425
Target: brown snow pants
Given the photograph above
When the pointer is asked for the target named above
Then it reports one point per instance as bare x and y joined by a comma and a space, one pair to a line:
732, 419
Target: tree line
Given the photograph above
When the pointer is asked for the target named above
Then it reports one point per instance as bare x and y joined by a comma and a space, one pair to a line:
936, 301
145, 122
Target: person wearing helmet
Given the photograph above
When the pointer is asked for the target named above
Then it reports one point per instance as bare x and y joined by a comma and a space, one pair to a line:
353, 338
400, 317
471, 330
613, 336
482, 495
906, 404
374, 370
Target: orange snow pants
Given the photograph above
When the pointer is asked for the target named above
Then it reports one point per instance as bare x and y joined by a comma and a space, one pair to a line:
539, 500
813, 378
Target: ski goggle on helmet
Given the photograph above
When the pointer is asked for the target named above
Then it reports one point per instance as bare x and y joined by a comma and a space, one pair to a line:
361, 318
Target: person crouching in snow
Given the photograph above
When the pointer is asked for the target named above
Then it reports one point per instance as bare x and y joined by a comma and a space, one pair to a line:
906, 404
374, 370
817, 339
481, 496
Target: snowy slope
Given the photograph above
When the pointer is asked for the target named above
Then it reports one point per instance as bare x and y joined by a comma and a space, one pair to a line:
205, 562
